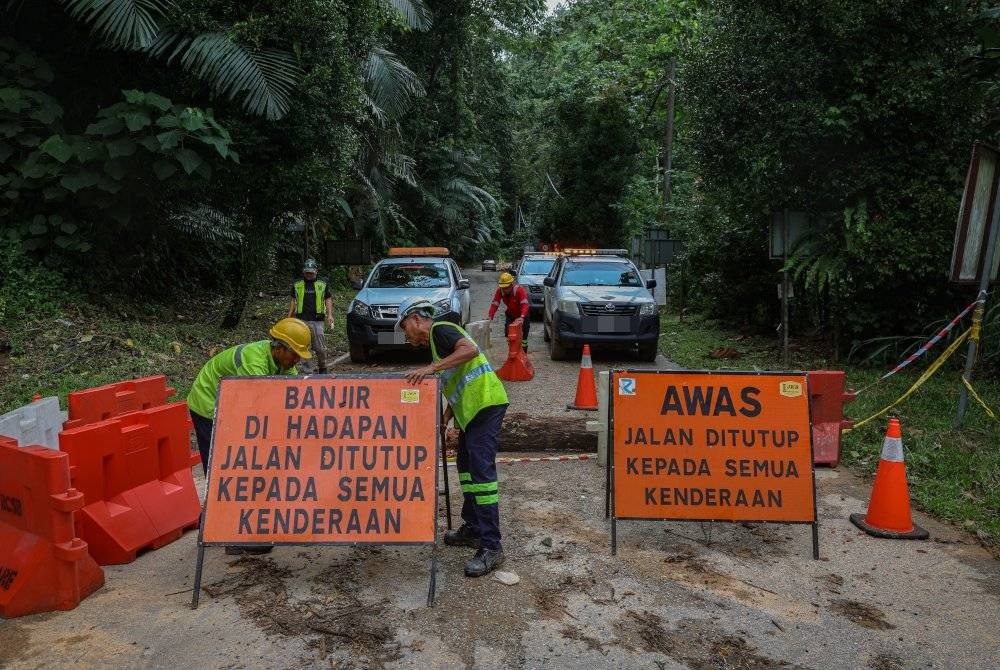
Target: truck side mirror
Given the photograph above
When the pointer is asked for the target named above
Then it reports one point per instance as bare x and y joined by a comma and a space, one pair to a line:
650, 283
464, 283
549, 281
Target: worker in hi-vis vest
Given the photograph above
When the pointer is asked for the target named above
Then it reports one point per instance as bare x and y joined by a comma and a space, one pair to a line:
313, 303
288, 345
478, 401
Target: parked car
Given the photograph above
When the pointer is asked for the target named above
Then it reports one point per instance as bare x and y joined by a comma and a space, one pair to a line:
598, 297
489, 264
425, 272
532, 269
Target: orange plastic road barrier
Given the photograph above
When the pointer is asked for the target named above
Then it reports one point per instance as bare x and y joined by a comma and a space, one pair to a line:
586, 387
135, 472
517, 368
827, 397
44, 566
106, 402
889, 509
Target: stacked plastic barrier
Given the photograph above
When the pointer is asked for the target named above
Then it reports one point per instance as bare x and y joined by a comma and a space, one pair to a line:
106, 402
37, 423
44, 565
135, 474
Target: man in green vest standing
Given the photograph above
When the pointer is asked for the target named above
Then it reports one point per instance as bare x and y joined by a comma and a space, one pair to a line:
288, 345
478, 401
313, 303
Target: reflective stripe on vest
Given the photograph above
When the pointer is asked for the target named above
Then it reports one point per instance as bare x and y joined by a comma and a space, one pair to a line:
300, 295
470, 386
238, 356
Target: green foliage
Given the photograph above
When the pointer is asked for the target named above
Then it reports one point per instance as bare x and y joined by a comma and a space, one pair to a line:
870, 136
58, 184
262, 77
28, 292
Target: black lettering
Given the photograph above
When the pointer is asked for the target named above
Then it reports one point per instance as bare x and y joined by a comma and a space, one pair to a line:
419, 454
291, 397
345, 489
326, 457
774, 498
334, 521
751, 406
7, 577
363, 393
671, 402
650, 500
630, 468
393, 520
263, 517
252, 428
418, 489
353, 522
724, 403
245, 522
294, 427
281, 517
697, 401
318, 517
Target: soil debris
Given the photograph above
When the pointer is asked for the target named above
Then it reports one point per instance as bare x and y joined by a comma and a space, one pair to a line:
865, 616
338, 621
886, 662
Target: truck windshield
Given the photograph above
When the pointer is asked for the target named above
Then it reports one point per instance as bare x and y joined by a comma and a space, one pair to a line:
537, 266
584, 273
410, 275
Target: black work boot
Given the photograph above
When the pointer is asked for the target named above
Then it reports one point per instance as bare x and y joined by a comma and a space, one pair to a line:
484, 562
466, 536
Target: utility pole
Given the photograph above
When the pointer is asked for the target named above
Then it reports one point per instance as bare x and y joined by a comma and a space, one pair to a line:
668, 145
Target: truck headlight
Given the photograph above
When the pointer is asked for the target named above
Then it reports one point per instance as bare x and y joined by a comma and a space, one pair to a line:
361, 309
444, 305
568, 306
648, 309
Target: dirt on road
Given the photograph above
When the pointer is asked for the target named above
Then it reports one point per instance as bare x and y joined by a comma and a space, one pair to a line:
676, 596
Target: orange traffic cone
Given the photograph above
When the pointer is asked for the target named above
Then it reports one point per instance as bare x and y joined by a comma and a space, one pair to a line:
517, 368
889, 510
586, 388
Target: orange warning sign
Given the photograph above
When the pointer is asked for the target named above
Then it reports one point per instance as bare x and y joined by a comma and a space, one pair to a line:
711, 446
323, 461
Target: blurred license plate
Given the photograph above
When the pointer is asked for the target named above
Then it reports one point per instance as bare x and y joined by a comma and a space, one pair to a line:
391, 337
607, 324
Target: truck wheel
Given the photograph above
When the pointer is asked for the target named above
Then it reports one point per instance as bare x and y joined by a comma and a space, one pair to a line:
557, 351
359, 353
647, 351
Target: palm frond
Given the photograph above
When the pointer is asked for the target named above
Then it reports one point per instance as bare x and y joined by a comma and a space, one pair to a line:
414, 12
207, 223
392, 84
264, 78
126, 24
461, 189
401, 166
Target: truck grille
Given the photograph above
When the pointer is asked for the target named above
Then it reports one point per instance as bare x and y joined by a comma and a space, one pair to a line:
535, 289
385, 311
601, 309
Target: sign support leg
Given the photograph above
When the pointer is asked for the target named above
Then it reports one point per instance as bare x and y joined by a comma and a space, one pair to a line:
815, 534
607, 486
433, 585
197, 576
447, 489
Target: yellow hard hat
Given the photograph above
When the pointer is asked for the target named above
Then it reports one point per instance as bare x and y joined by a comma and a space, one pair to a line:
506, 279
295, 333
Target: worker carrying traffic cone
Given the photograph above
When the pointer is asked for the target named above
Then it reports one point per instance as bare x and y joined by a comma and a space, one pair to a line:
889, 509
518, 367
515, 298
586, 387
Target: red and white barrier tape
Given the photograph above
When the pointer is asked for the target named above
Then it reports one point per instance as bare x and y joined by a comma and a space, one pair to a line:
537, 459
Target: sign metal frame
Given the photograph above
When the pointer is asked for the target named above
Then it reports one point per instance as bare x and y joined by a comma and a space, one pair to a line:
609, 483
440, 466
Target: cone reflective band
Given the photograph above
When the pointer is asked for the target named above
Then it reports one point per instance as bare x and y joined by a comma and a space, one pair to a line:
889, 513
586, 387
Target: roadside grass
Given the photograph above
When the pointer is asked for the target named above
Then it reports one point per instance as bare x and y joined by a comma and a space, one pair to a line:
87, 346
953, 474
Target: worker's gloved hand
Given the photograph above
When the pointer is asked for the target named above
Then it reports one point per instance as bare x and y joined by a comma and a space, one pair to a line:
519, 321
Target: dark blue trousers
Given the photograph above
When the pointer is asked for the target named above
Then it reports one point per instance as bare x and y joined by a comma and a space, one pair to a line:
203, 433
477, 472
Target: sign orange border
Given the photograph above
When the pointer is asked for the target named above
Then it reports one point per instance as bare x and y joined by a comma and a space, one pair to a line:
710, 446
323, 460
